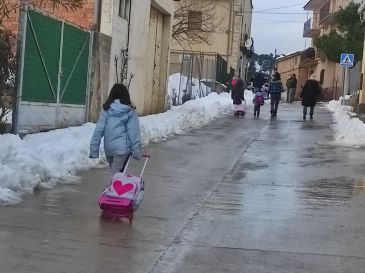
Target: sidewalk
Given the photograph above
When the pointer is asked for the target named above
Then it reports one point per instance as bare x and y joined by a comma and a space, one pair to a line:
258, 196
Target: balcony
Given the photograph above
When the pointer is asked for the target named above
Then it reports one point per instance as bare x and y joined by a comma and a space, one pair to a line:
309, 31
325, 16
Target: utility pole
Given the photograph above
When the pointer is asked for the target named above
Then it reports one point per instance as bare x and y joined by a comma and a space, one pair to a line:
361, 12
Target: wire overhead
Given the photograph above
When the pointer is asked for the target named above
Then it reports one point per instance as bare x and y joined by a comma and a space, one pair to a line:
283, 7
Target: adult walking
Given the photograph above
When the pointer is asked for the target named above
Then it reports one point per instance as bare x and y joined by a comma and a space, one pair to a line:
275, 90
238, 95
309, 95
292, 87
258, 82
288, 84
238, 92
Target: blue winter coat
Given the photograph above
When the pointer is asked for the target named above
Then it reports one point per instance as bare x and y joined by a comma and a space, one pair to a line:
276, 87
119, 126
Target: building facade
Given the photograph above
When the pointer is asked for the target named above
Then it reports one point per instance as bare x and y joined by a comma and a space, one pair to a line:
329, 73
233, 33
124, 41
141, 34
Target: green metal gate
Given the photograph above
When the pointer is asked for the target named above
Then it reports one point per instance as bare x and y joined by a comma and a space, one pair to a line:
55, 71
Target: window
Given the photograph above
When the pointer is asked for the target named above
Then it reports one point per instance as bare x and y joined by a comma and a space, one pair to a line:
195, 20
124, 7
321, 78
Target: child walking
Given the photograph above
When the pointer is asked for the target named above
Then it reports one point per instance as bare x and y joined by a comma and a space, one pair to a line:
258, 101
119, 126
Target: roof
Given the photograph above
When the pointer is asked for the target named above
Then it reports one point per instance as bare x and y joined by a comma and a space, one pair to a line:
288, 56
313, 4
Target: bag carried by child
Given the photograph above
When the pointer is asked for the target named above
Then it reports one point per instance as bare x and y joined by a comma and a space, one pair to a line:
259, 100
240, 109
124, 194
129, 188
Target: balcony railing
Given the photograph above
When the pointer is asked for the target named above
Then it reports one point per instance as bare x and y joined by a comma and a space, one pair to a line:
324, 11
309, 30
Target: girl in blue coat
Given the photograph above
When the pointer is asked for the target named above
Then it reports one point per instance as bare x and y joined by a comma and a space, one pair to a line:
119, 126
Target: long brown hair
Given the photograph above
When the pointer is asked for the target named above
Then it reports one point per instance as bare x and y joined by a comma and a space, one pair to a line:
118, 92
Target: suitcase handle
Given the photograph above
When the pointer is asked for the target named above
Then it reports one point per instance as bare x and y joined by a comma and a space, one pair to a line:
146, 158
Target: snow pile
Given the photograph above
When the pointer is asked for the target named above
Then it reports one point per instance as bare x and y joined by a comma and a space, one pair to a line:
348, 131
8, 117
42, 160
47, 159
192, 114
193, 88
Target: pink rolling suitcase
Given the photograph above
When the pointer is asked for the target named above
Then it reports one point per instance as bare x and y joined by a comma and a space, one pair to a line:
239, 109
124, 194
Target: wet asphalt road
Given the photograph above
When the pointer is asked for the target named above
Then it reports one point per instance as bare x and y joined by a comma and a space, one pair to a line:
258, 196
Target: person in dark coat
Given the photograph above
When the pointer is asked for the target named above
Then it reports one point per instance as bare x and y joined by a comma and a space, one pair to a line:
309, 95
238, 92
275, 90
258, 82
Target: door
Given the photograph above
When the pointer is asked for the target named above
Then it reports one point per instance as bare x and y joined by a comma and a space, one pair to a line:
154, 89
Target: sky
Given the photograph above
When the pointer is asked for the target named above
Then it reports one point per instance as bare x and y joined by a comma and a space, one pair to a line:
281, 31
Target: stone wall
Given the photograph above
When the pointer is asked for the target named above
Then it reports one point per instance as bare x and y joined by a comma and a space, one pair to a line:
99, 83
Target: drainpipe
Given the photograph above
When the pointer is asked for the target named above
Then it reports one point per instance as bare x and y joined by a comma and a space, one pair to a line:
97, 15
361, 12
129, 23
243, 60
231, 10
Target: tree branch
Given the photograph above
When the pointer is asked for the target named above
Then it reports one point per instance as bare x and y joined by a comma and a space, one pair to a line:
211, 22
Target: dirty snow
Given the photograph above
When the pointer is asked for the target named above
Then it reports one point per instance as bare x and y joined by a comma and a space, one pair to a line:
348, 130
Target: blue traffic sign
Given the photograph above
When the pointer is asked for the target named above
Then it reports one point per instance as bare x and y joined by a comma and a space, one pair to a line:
347, 60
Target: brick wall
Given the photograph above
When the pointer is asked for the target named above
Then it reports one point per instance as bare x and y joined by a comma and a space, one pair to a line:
83, 17
11, 23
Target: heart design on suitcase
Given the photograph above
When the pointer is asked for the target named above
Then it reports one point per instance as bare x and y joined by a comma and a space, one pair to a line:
120, 189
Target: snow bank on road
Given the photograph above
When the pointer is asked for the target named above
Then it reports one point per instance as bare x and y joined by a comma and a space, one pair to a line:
177, 83
43, 159
349, 131
192, 114
48, 159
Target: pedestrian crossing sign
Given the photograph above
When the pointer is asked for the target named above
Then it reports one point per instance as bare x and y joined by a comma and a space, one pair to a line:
347, 60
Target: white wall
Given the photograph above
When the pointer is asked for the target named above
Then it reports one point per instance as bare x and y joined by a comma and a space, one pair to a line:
138, 48
116, 27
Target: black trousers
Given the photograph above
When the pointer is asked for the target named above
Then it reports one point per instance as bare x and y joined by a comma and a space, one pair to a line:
311, 111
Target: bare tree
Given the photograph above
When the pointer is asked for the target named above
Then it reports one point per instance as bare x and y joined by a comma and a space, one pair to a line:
7, 79
7, 7
195, 21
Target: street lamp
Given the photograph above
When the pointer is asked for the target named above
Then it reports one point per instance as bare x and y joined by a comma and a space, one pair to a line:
361, 12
